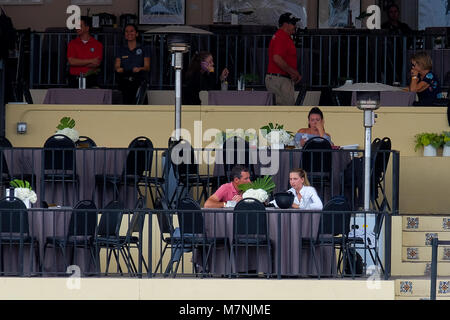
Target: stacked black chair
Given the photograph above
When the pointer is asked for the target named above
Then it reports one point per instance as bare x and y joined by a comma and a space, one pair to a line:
107, 235
124, 244
380, 158
250, 230
59, 164
15, 231
169, 235
82, 225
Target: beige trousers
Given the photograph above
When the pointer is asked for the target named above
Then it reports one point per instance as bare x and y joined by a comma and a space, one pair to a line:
282, 88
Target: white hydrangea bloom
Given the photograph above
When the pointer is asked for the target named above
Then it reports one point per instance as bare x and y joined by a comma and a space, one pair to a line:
278, 136
71, 133
258, 194
25, 193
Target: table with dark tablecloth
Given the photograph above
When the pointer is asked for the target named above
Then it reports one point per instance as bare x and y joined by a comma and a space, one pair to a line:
393, 98
78, 96
240, 98
286, 228
89, 162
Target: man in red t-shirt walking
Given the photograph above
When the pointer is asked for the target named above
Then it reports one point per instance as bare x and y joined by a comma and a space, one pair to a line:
282, 72
84, 54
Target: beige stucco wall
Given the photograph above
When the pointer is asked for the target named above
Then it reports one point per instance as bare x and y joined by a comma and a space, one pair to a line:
194, 289
424, 181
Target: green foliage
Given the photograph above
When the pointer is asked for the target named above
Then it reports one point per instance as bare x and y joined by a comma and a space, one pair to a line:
16, 183
266, 183
250, 78
66, 122
446, 138
425, 138
266, 129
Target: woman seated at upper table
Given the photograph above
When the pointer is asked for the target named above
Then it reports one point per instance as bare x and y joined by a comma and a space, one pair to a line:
423, 80
315, 128
200, 76
306, 196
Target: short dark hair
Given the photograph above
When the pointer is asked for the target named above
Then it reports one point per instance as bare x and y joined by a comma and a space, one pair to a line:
236, 172
132, 25
389, 6
87, 21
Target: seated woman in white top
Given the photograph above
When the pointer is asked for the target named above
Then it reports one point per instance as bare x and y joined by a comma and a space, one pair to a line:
305, 195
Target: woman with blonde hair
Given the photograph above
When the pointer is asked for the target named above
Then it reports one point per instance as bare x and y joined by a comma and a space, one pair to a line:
306, 197
423, 80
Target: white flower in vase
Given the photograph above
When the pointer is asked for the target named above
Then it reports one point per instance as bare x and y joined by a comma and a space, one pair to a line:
72, 134
23, 191
258, 194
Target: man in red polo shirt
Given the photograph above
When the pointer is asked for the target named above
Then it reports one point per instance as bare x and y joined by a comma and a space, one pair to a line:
282, 72
229, 191
84, 54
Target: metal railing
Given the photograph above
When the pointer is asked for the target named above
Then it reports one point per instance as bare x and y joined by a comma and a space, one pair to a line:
104, 175
435, 242
326, 58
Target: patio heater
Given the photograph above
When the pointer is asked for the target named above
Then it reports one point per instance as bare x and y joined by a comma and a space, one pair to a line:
178, 41
368, 100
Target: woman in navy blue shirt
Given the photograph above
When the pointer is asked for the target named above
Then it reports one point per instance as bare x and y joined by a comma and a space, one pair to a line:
423, 81
132, 64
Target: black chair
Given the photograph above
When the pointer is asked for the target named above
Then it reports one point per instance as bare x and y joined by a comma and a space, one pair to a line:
250, 230
124, 244
186, 171
82, 225
59, 165
334, 227
316, 161
193, 234
15, 231
85, 142
380, 158
5, 176
169, 235
236, 151
107, 235
141, 93
137, 164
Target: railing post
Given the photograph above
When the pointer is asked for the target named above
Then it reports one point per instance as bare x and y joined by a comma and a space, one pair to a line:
2, 98
434, 249
395, 181
387, 245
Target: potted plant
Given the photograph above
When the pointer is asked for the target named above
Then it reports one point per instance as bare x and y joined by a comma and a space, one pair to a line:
276, 135
446, 143
430, 142
66, 127
23, 191
258, 189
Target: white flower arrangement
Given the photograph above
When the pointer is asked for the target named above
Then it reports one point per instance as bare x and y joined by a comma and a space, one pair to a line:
23, 191
65, 127
280, 136
258, 194
258, 189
